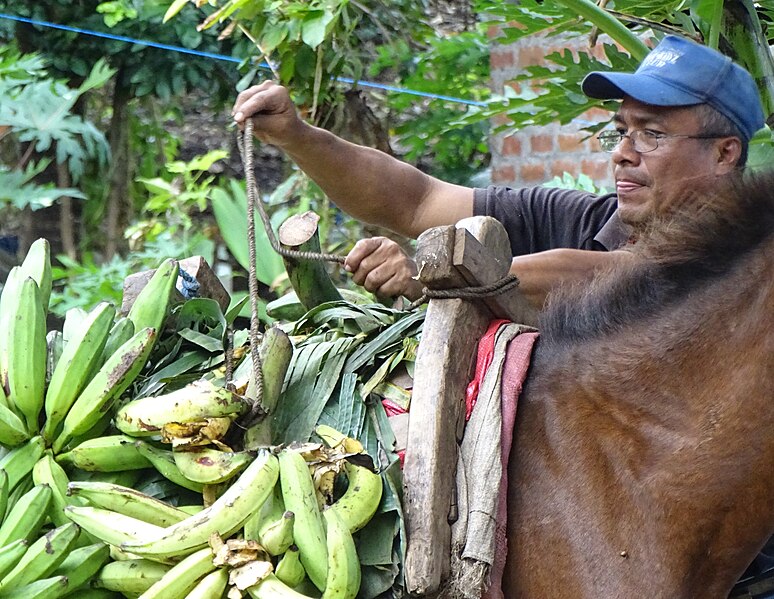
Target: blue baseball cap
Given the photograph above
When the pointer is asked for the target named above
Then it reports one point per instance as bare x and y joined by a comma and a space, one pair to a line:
679, 72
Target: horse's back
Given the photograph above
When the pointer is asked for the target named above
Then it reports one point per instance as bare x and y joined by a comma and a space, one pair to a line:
641, 461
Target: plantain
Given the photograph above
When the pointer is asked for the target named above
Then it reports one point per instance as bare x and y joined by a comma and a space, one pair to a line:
308, 531
44, 588
272, 587
193, 403
277, 536
37, 265
77, 364
121, 331
164, 463
109, 526
152, 305
13, 430
26, 515
47, 472
210, 466
111, 453
276, 353
130, 577
289, 568
343, 579
19, 462
212, 586
81, 564
110, 381
127, 501
41, 558
225, 516
361, 499
9, 300
27, 354
182, 577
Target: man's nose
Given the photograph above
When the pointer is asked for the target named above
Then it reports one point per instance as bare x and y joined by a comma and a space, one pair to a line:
624, 152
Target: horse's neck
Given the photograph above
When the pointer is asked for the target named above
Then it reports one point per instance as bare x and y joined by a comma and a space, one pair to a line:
645, 454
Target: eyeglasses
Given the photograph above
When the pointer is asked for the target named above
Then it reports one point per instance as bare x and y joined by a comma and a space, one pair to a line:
643, 141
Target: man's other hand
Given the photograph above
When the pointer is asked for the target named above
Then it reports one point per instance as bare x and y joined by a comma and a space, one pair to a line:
381, 266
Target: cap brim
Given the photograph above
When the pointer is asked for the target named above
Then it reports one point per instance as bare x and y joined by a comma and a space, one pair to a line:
642, 87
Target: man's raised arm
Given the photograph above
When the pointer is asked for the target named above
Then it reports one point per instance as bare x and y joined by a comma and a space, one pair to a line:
366, 183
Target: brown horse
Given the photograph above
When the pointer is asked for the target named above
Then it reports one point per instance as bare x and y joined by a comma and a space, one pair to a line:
643, 458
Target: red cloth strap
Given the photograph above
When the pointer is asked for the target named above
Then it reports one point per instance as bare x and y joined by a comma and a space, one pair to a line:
485, 353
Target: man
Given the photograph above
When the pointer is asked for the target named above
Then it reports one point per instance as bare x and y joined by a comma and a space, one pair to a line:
686, 116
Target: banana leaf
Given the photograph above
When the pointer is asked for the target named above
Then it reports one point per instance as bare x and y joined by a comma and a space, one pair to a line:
346, 411
313, 376
391, 335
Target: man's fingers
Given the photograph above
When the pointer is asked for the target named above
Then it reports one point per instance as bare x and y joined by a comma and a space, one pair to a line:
254, 100
361, 250
382, 267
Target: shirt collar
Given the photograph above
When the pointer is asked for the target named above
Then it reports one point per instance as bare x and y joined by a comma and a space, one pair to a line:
613, 234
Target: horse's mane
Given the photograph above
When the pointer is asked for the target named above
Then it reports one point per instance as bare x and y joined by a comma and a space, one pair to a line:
701, 241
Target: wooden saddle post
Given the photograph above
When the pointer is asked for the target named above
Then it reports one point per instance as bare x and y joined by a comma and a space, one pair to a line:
475, 252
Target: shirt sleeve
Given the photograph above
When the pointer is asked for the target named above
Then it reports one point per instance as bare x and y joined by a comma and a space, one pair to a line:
543, 218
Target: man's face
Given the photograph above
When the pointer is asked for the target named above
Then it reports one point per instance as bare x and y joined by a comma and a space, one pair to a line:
645, 182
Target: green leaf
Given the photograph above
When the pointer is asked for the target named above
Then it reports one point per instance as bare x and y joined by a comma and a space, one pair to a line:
375, 540
312, 377
204, 341
314, 27
230, 211
389, 336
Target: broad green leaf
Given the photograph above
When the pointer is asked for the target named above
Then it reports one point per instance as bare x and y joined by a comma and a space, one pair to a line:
392, 334
202, 340
313, 375
314, 27
231, 215
375, 541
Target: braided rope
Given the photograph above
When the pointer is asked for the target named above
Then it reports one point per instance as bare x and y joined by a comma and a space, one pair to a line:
245, 143
507, 283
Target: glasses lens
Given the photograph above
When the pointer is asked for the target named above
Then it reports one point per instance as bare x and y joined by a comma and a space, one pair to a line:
644, 141
608, 140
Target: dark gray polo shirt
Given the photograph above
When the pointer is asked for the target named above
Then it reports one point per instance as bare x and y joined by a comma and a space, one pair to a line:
543, 218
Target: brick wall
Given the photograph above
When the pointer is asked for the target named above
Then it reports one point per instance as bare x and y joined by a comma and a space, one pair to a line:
534, 155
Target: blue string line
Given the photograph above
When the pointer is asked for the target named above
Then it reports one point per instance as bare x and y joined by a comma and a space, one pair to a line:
215, 56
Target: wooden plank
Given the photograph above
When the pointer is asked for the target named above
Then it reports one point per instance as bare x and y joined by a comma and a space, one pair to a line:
434, 257
447, 349
478, 265
444, 366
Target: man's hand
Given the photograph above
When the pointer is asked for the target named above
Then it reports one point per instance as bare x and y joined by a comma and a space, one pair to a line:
382, 267
274, 115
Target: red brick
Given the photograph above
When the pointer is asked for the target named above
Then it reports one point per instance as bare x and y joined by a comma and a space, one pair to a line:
597, 114
542, 143
533, 173
493, 31
569, 143
596, 169
511, 146
500, 119
515, 86
503, 174
501, 59
559, 167
531, 56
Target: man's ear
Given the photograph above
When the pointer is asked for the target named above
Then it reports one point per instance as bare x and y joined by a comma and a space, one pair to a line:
729, 151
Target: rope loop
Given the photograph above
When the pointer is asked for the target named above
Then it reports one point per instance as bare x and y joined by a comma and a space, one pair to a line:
507, 283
